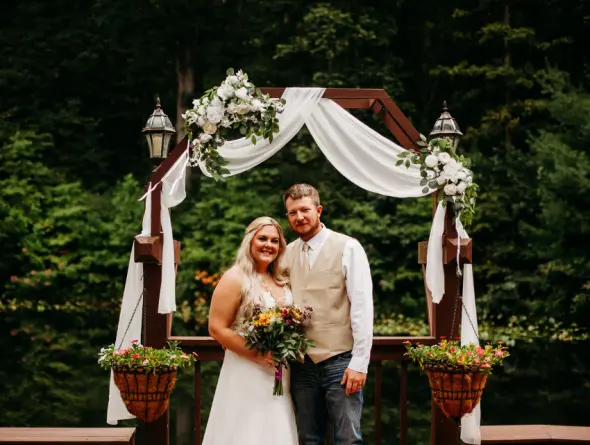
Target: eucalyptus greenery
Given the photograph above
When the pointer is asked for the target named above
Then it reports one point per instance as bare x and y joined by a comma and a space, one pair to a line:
447, 173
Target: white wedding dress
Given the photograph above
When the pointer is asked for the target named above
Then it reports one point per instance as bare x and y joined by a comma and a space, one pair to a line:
244, 411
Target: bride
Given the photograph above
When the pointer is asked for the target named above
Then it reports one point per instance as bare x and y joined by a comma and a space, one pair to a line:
244, 411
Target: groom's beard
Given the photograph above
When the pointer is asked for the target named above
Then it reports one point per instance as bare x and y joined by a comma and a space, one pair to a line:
306, 230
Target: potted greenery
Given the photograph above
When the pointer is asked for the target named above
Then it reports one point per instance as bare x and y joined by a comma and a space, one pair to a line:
457, 374
145, 376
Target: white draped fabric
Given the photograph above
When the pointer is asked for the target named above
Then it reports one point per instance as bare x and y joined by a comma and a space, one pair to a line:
130, 326
358, 152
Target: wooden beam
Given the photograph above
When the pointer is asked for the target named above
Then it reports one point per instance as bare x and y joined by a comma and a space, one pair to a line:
384, 348
401, 119
336, 93
167, 164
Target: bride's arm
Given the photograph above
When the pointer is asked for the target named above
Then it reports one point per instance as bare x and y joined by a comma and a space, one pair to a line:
224, 307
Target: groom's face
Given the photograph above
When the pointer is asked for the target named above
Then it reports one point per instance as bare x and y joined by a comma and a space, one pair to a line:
304, 216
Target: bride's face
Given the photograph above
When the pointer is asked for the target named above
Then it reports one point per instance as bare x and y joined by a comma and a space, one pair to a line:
265, 245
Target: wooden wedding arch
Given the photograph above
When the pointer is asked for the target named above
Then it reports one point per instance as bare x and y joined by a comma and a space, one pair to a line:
157, 327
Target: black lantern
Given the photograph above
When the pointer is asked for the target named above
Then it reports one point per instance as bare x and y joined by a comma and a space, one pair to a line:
446, 127
158, 132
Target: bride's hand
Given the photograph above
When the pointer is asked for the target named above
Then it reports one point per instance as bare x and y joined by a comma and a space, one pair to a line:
265, 360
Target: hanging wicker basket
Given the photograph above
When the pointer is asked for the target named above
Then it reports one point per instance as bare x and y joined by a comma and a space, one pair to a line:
455, 392
146, 395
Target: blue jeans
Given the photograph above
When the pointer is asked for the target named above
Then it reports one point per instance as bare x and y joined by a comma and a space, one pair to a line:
318, 397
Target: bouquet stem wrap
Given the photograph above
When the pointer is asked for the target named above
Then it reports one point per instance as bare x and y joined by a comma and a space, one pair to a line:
277, 389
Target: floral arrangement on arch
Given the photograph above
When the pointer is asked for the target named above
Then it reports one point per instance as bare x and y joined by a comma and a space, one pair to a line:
235, 107
451, 356
442, 169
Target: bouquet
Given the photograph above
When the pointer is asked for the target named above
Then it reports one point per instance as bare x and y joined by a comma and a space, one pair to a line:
282, 332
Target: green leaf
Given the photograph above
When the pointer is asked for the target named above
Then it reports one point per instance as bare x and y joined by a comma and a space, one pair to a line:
407, 163
424, 181
425, 190
253, 139
400, 162
230, 72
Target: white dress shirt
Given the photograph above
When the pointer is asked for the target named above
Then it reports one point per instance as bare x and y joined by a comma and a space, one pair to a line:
359, 287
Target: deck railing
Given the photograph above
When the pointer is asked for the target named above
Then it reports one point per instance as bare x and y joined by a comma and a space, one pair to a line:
384, 348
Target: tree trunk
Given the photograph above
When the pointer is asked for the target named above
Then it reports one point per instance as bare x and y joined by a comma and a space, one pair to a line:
507, 62
186, 88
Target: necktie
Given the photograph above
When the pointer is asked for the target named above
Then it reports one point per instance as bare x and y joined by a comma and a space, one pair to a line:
305, 257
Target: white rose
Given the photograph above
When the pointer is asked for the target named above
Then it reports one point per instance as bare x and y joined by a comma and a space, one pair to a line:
450, 189
461, 187
202, 110
441, 180
210, 128
215, 114
431, 161
444, 157
243, 108
241, 93
204, 137
257, 105
452, 167
216, 102
453, 178
232, 108
225, 122
233, 79
225, 91
462, 175
201, 121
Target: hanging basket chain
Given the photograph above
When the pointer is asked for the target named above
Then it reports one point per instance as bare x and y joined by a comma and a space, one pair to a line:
144, 292
464, 308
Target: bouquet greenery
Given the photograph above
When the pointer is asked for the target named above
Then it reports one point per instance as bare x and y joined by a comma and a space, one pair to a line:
282, 332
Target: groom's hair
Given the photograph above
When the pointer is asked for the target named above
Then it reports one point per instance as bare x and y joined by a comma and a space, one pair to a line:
298, 191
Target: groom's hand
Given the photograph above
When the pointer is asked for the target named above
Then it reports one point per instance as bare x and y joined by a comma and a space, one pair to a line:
353, 380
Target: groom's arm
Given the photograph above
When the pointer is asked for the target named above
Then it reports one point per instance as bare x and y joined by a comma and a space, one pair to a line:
359, 286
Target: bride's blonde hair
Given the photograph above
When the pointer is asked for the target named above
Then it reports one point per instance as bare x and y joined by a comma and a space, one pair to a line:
252, 285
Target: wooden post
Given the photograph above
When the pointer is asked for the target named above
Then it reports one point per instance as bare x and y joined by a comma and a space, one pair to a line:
444, 431
148, 250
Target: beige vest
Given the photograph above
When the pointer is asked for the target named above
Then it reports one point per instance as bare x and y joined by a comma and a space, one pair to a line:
324, 289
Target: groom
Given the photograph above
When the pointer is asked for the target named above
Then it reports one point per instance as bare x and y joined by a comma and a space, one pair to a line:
329, 272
